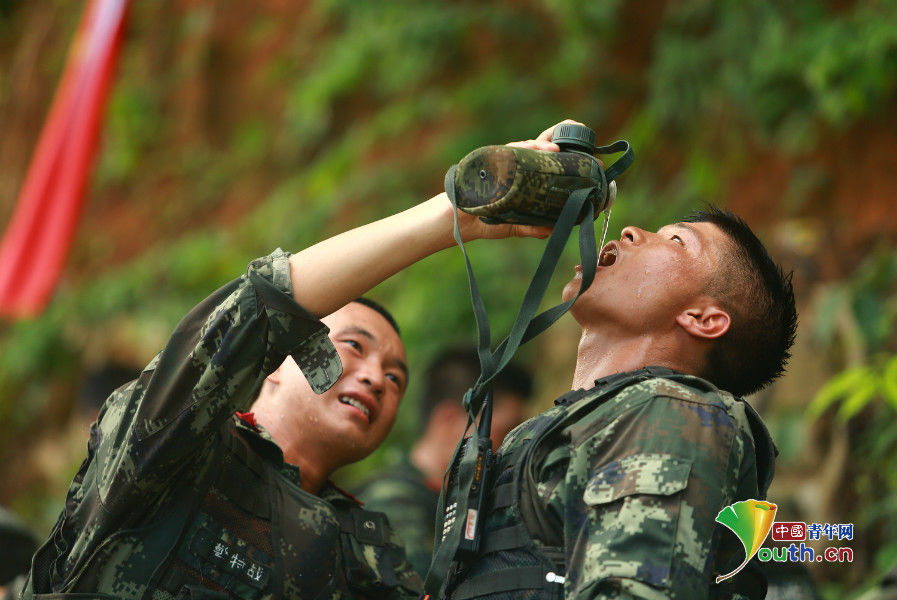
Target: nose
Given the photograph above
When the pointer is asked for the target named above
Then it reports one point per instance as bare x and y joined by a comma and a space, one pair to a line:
634, 235
371, 375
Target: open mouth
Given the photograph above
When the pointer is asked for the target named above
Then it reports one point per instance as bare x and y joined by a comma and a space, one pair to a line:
608, 256
357, 404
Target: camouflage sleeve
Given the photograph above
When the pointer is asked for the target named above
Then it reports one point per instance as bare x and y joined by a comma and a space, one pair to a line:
214, 363
641, 491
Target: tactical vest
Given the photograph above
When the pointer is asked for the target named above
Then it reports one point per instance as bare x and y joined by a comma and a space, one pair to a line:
522, 556
239, 528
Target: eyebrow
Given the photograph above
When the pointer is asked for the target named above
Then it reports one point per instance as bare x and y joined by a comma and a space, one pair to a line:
694, 231
365, 333
358, 330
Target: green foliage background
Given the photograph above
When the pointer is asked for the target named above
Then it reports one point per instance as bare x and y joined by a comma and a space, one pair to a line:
235, 129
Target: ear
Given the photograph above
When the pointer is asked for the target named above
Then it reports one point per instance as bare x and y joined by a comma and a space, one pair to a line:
708, 322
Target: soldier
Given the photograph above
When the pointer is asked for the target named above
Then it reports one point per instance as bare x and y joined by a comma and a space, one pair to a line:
183, 496
613, 493
408, 492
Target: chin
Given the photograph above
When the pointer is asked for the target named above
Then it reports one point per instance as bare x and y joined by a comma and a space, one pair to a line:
589, 309
570, 290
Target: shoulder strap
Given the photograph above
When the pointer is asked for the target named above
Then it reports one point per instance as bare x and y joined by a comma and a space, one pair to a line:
527, 325
610, 386
538, 526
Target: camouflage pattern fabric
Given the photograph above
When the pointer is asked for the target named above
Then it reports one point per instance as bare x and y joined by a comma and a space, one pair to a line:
401, 492
177, 498
629, 490
517, 185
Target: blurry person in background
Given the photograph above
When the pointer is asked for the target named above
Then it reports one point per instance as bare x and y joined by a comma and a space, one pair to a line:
408, 492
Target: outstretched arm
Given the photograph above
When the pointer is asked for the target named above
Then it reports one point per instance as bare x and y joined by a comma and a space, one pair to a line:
335, 271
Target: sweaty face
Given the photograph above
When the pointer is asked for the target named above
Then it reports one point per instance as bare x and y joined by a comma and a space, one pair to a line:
354, 416
644, 280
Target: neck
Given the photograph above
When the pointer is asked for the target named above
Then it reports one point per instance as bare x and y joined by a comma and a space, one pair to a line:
314, 468
600, 355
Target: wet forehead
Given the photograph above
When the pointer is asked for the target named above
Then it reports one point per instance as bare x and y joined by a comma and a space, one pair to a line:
709, 241
358, 319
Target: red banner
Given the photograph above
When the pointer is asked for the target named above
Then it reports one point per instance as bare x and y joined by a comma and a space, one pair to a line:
36, 242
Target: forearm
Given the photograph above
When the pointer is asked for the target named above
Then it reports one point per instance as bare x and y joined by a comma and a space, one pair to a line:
333, 272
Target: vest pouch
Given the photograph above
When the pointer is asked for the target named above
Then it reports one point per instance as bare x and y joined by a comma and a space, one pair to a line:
636, 502
369, 561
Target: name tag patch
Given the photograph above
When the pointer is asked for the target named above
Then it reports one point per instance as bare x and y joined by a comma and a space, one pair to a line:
228, 560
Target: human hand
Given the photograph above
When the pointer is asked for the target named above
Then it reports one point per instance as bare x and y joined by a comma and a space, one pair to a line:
543, 142
472, 228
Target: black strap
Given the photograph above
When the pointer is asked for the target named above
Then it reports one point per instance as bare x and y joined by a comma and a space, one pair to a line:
503, 496
525, 327
506, 538
622, 163
505, 580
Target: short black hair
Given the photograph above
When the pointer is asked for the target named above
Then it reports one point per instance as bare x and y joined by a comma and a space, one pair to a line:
373, 304
759, 297
454, 370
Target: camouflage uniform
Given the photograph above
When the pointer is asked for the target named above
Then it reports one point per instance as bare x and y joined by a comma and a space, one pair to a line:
178, 498
614, 495
402, 493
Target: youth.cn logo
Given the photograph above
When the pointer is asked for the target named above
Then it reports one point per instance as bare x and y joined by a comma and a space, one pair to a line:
751, 521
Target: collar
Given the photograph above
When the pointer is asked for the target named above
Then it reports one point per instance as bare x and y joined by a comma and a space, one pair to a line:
331, 492
605, 382
245, 421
